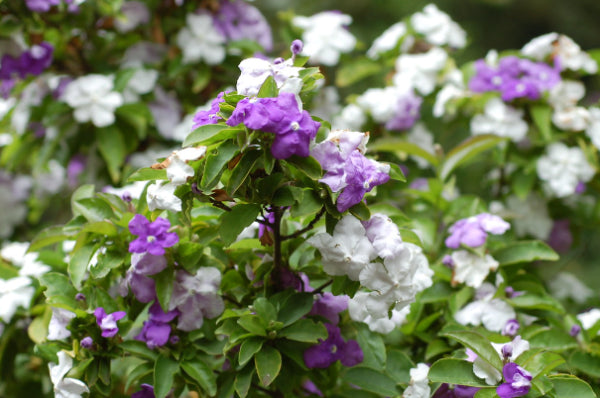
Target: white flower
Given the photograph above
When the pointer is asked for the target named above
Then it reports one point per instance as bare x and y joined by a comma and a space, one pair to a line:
93, 99
256, 70
347, 251
162, 196
57, 328
14, 190
382, 103
454, 88
388, 40
593, 128
530, 216
52, 181
422, 137
352, 117
326, 103
517, 347
384, 235
485, 371
438, 28
133, 190
419, 384
178, 170
493, 313
199, 40
470, 268
142, 82
590, 318
325, 36
65, 387
420, 71
32, 95
563, 168
6, 105
566, 285
14, 293
568, 52
133, 13
360, 309
16, 253
501, 120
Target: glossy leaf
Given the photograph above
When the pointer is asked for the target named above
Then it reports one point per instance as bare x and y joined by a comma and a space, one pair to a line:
268, 365
454, 371
524, 252
202, 374
466, 151
164, 373
233, 222
371, 380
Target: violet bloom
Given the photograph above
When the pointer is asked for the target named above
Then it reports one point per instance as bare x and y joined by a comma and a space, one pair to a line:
362, 175
294, 129
237, 20
75, 167
329, 306
311, 388
108, 322
87, 342
575, 329
560, 238
157, 331
473, 231
41, 5
153, 237
262, 228
332, 349
459, 391
518, 381
209, 116
147, 391
408, 111
296, 47
31, 62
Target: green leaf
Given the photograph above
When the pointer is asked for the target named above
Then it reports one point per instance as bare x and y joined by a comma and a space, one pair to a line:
436, 347
110, 260
268, 365
80, 259
486, 393
268, 88
57, 285
139, 348
539, 362
111, 145
355, 71
586, 363
137, 373
567, 386
202, 374
361, 211
94, 209
402, 148
309, 166
243, 380
265, 310
51, 235
466, 151
552, 339
371, 380
524, 252
253, 324
164, 287
541, 115
454, 371
537, 302
248, 348
136, 115
216, 160
188, 255
396, 173
398, 366
105, 228
148, 174
295, 307
164, 372
204, 133
479, 344
241, 171
373, 348
233, 222
304, 330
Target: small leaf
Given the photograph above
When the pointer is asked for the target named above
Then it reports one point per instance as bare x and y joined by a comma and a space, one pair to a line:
371, 380
541, 115
95, 209
479, 344
204, 133
148, 174
139, 348
586, 363
486, 393
268, 88
243, 380
539, 362
164, 372
216, 160
248, 348
537, 302
304, 330
268, 365
373, 347
164, 287
398, 366
524, 252
203, 374
454, 371
57, 285
403, 148
295, 307
80, 259
233, 222
253, 324
242, 170
309, 166
50, 236
552, 339
111, 145
467, 150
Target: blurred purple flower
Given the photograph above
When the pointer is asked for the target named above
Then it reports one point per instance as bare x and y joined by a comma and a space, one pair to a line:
156, 330
153, 237
332, 349
311, 388
41, 5
560, 238
473, 231
518, 381
87, 342
408, 111
75, 167
209, 116
108, 322
147, 391
329, 306
31, 62
238, 20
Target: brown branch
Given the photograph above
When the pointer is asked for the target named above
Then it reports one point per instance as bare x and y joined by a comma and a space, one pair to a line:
307, 228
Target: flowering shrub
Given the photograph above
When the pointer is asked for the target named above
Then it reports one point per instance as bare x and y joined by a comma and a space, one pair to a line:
274, 241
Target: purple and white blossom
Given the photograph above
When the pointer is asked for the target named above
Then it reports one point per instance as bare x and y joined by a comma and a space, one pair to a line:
108, 322
209, 116
472, 231
153, 237
560, 48
133, 14
236, 20
57, 328
87, 342
517, 381
254, 72
30, 62
332, 349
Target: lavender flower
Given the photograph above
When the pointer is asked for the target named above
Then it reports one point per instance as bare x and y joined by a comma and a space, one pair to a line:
31, 62
87, 342
153, 237
518, 381
362, 175
473, 231
209, 116
332, 349
329, 306
108, 322
575, 329
408, 111
458, 392
238, 20
511, 328
560, 238
41, 5
294, 129
296, 47
156, 331
147, 391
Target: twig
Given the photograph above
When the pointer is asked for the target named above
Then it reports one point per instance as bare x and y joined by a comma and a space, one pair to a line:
307, 228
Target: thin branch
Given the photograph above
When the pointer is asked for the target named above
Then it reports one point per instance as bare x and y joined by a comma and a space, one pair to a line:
323, 286
307, 228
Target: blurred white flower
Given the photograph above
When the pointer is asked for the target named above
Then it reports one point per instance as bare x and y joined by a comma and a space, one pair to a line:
563, 168
200, 41
420, 71
389, 39
501, 120
162, 196
470, 268
14, 293
438, 28
93, 99
568, 52
418, 386
566, 285
492, 313
65, 387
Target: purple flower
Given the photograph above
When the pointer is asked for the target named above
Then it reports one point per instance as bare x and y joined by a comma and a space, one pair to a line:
41, 5
80, 297
296, 47
560, 238
518, 381
87, 342
209, 116
75, 168
238, 20
147, 391
294, 129
153, 237
108, 322
311, 388
362, 175
575, 329
458, 392
31, 62
329, 306
473, 231
332, 349
262, 228
511, 328
156, 330
408, 112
